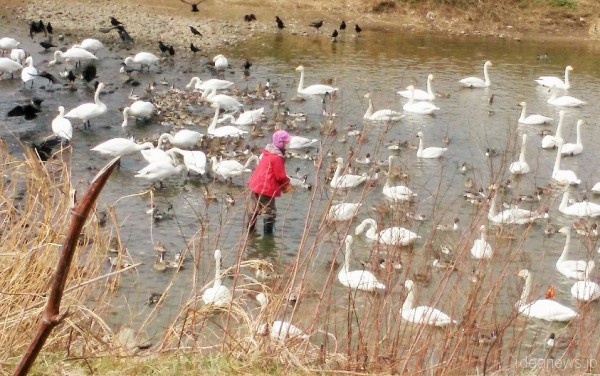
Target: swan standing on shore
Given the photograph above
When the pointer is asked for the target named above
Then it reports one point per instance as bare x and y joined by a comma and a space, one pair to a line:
139, 110
73, 54
61, 126
430, 152
424, 315
420, 95
393, 236
476, 82
380, 115
7, 44
544, 309
317, 89
220, 62
87, 111
532, 119
576, 269
9, 66
218, 295
90, 44
357, 279
553, 81
576, 148
521, 166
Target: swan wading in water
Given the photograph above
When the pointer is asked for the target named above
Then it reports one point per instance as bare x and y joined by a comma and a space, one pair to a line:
279, 330
423, 315
159, 171
550, 141
357, 279
421, 108
578, 209
226, 102
544, 309
563, 177
380, 115
585, 291
218, 295
140, 110
521, 166
311, 90
87, 111
345, 181
396, 192
246, 118
144, 59
430, 152
73, 54
532, 119
229, 168
564, 101
576, 269
119, 147
194, 160
29, 72
476, 82
481, 249
393, 236
576, 148
553, 81
344, 211
220, 62
420, 95
9, 66
184, 138
224, 130
61, 126
90, 44
204, 86
7, 43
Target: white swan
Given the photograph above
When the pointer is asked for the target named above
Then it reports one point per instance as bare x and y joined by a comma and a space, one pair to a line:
156, 155
563, 177
246, 117
421, 108
392, 236
73, 54
18, 55
228, 168
578, 209
550, 141
420, 95
144, 59
514, 215
9, 66
299, 142
61, 126
158, 171
317, 89
424, 315
87, 111
29, 72
396, 192
198, 84
8, 43
476, 82
544, 309
218, 295
564, 101
576, 269
347, 180
224, 130
357, 279
585, 291
521, 166
344, 211
90, 44
220, 62
184, 138
576, 148
116, 147
532, 119
228, 103
139, 110
481, 249
280, 330
430, 152
194, 160
553, 81
380, 115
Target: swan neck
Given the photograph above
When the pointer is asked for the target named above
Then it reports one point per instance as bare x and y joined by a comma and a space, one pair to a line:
523, 151
526, 291
564, 202
492, 210
523, 114
250, 160
565, 253
559, 126
420, 144
213, 123
301, 83
486, 75
369, 109
217, 282
338, 171
430, 89
557, 160
97, 97
579, 140
125, 116
567, 85
163, 137
409, 302
347, 256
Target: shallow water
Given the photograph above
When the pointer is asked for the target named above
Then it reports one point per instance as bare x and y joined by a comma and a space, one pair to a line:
380, 63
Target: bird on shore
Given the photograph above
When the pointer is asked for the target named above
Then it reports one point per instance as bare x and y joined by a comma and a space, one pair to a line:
44, 149
49, 28
358, 29
247, 65
280, 23
50, 77
343, 25
164, 48
194, 5
115, 22
36, 27
316, 24
249, 17
46, 44
194, 48
334, 35
29, 111
195, 31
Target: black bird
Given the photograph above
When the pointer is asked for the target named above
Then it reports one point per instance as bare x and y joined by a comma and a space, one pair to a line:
247, 65
247, 18
48, 76
114, 21
46, 45
280, 23
194, 5
316, 24
357, 29
89, 73
171, 50
29, 111
343, 25
334, 35
49, 27
195, 31
194, 48
125, 37
37, 27
163, 47
71, 76
44, 148
252, 17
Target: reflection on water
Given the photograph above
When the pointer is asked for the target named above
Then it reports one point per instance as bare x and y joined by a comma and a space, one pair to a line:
470, 122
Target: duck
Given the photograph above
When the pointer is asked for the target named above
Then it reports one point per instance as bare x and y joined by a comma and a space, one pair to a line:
345, 181
29, 72
481, 249
194, 160
278, 329
430, 152
224, 130
532, 119
184, 138
392, 236
73, 54
448, 227
578, 209
396, 192
217, 295
553, 81
563, 177
521, 166
229, 168
576, 148
423, 315
90, 44
420, 95
550, 141
209, 84
558, 343
564, 101
246, 117
420, 108
312, 90
220, 62
87, 111
299, 142
61, 126
118, 147
543, 309
9, 66
343, 211
476, 82
439, 264
380, 115
144, 59
585, 291
357, 279
139, 110
576, 269
226, 102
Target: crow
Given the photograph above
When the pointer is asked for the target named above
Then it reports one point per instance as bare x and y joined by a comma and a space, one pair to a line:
115, 22
194, 5
171, 50
49, 28
89, 73
247, 65
48, 76
124, 35
280, 23
316, 24
37, 27
163, 47
29, 111
343, 25
249, 17
194, 48
44, 148
46, 45
195, 31
357, 29
334, 35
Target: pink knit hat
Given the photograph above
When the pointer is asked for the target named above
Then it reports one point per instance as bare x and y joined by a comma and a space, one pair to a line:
280, 137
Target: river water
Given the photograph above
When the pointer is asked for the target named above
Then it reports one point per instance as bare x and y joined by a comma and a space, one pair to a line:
379, 63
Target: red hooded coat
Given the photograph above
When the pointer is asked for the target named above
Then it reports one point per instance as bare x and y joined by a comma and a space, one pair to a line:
269, 176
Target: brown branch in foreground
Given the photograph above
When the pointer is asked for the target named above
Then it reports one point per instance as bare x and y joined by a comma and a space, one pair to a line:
52, 316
